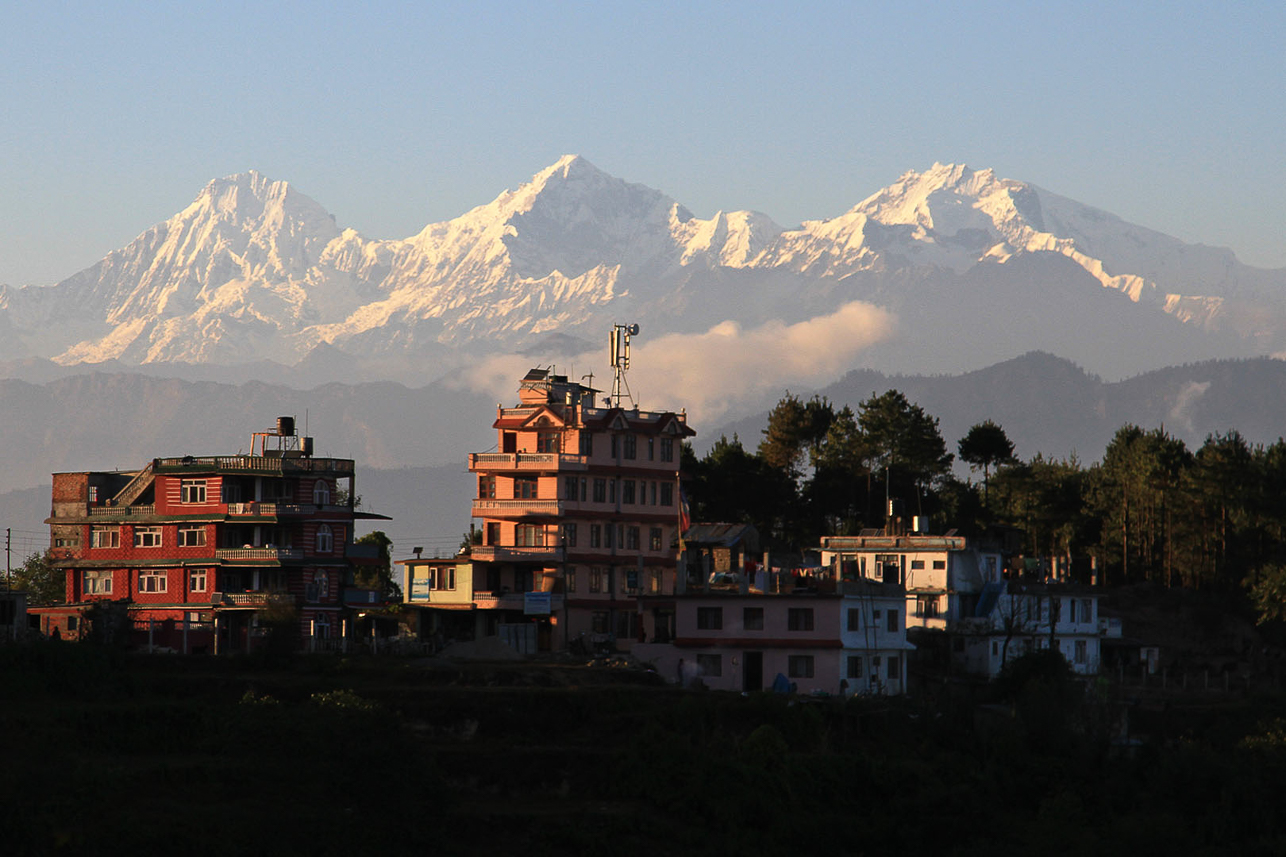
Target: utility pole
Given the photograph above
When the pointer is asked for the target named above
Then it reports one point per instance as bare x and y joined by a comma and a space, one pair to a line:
8, 552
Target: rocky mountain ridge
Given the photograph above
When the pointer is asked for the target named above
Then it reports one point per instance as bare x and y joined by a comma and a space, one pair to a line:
255, 270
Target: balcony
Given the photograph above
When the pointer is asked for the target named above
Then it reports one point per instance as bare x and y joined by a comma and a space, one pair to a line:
254, 464
270, 554
535, 462
121, 511
256, 599
517, 508
516, 553
511, 600
263, 509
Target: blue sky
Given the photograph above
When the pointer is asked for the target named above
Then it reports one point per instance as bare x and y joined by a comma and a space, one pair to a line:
396, 115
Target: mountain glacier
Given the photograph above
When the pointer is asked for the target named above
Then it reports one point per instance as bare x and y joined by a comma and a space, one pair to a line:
976, 268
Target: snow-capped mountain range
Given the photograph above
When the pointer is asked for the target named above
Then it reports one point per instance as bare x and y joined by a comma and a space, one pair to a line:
975, 268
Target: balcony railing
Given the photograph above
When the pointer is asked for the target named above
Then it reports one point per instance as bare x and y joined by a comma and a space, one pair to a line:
516, 553
258, 599
510, 508
531, 461
259, 553
120, 511
257, 464
271, 509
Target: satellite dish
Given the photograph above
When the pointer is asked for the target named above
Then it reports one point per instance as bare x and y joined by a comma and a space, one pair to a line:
634, 330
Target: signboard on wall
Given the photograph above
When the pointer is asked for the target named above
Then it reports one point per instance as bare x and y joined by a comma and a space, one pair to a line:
536, 603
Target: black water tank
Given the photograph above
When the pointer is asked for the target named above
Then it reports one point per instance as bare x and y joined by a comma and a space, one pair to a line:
308, 447
286, 426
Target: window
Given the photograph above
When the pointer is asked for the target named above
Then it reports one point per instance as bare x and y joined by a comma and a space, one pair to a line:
651, 448
569, 487
445, 578
667, 494
105, 537
229, 492
917, 564
548, 441
529, 536
97, 583
325, 540
63, 541
73, 623
192, 491
926, 605
710, 618
855, 618
667, 449
654, 539
893, 621
654, 581
653, 493
147, 537
569, 535
799, 619
631, 447
627, 625
321, 492
569, 579
939, 564
525, 487
854, 666
611, 491
616, 446
493, 533
191, 537
800, 666
627, 491
583, 483
600, 490
632, 538
895, 667
1082, 650
711, 665
607, 539
1071, 610
1087, 610
752, 618
586, 443
486, 487
595, 535
151, 581
197, 579
598, 622
596, 579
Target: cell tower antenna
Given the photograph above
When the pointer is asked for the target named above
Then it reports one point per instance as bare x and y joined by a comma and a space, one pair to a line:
620, 350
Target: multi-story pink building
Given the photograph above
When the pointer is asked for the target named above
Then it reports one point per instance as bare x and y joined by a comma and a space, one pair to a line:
580, 502
199, 551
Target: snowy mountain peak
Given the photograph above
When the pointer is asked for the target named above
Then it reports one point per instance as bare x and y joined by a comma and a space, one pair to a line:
253, 269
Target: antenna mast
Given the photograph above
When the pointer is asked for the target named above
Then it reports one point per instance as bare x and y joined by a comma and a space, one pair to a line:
620, 349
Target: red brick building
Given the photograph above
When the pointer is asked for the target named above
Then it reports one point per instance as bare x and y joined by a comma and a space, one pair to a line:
200, 553
579, 501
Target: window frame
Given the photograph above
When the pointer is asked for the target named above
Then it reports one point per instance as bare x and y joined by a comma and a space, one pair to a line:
800, 666
193, 491
709, 618
800, 619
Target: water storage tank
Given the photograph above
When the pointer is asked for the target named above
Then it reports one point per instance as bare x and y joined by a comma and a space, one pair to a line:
286, 426
308, 447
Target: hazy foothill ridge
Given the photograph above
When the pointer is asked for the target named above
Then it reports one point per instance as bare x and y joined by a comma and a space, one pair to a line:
255, 270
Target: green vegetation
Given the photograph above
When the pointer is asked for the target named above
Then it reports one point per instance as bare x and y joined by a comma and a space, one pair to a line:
107, 752
43, 583
1150, 511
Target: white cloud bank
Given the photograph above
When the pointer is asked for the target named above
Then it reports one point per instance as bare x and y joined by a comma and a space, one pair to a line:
714, 373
